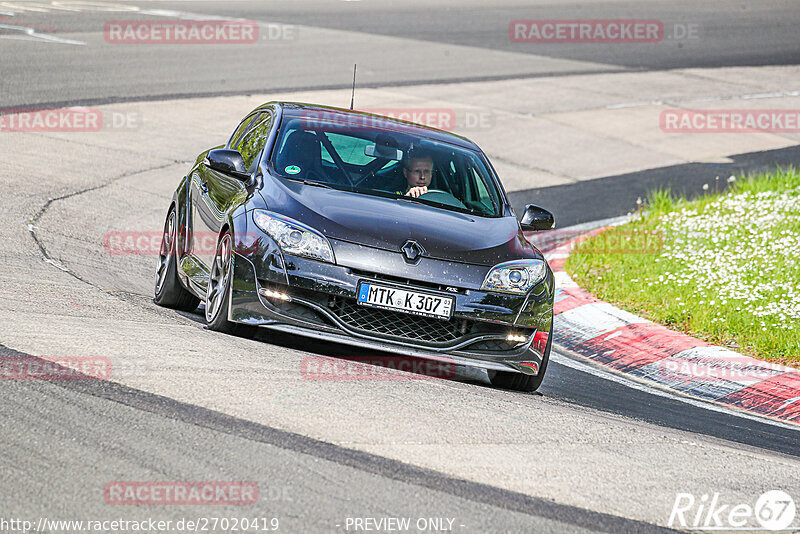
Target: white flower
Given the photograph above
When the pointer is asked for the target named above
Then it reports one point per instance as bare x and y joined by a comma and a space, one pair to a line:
739, 250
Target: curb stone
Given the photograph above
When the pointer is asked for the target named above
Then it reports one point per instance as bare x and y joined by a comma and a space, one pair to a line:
631, 345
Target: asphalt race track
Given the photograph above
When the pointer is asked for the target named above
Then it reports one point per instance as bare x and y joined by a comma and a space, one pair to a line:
751, 33
588, 452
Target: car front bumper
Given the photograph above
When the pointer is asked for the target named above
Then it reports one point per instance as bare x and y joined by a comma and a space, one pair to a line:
318, 301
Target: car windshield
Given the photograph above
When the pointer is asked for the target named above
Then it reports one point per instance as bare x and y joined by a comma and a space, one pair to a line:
387, 163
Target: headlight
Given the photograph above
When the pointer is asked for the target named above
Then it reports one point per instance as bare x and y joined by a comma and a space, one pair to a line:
294, 237
515, 276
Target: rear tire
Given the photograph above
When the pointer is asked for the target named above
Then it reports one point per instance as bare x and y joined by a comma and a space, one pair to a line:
169, 292
521, 381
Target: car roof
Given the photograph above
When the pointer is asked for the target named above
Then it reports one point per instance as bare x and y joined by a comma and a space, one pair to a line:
361, 118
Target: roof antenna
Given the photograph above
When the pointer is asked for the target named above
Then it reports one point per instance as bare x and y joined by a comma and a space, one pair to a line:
353, 94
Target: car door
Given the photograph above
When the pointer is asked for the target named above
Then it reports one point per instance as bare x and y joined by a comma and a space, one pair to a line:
199, 240
215, 193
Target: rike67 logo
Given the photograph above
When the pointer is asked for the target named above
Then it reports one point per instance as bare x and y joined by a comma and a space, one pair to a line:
773, 510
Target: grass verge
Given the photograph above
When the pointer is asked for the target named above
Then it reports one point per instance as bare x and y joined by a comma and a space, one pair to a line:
724, 267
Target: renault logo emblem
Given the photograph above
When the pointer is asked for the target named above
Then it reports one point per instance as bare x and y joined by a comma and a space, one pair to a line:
412, 251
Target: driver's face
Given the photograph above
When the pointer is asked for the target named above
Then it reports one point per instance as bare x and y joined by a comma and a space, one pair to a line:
419, 172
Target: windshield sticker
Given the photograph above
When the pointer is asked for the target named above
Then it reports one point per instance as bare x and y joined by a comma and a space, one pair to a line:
292, 169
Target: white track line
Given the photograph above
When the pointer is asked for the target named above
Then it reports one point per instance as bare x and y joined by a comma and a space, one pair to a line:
30, 34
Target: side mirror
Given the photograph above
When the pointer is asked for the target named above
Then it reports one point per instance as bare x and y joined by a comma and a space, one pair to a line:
227, 162
536, 218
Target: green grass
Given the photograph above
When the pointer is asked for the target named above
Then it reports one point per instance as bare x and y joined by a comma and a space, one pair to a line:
723, 267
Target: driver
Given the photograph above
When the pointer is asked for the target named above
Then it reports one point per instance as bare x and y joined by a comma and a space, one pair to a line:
418, 171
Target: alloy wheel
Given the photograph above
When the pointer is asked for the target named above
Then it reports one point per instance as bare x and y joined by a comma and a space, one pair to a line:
218, 281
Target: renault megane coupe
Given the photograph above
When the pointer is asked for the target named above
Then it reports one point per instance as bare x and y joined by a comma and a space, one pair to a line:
364, 230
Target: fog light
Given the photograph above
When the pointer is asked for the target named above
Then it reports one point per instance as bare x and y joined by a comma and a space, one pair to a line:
270, 294
516, 338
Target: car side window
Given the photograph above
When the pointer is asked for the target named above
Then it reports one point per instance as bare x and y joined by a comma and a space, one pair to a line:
253, 141
481, 192
241, 129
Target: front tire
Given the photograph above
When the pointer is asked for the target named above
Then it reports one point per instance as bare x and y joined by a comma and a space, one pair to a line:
218, 292
168, 291
520, 381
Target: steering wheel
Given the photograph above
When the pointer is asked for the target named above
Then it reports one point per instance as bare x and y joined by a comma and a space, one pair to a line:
442, 197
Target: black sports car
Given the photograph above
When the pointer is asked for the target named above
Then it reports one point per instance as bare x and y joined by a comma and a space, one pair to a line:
361, 229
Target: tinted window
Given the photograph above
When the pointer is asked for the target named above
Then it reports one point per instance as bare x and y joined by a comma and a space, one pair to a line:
234, 140
253, 141
350, 148
482, 194
376, 161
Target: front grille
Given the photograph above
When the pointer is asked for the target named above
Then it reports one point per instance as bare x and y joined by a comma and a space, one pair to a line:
398, 324
395, 324
415, 328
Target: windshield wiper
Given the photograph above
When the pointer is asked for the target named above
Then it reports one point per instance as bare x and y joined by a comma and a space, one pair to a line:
317, 184
441, 205
312, 182
423, 201
410, 199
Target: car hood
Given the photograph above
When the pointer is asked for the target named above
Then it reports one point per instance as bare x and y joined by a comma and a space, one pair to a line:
388, 223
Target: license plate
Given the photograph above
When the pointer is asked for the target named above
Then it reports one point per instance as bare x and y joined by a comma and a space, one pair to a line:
413, 302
